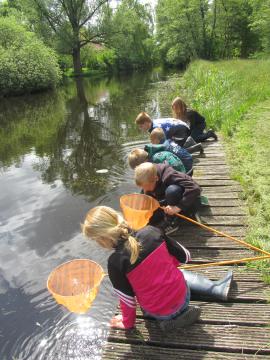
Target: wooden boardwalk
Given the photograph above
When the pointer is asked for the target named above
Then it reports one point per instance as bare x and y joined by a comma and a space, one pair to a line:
238, 329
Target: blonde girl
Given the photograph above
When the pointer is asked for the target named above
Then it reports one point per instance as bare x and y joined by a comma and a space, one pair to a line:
143, 269
194, 120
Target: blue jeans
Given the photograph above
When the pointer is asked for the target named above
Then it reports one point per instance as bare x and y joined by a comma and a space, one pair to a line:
182, 309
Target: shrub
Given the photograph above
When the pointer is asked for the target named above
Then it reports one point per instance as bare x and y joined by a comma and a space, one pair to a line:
26, 64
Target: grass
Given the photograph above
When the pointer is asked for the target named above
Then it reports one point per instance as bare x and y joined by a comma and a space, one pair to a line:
234, 96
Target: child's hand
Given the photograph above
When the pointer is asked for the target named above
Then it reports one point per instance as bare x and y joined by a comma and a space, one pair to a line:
171, 210
117, 322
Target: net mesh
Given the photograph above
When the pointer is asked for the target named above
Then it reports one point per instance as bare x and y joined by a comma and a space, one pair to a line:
138, 209
75, 284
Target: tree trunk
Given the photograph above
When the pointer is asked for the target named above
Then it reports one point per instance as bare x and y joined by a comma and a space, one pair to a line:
76, 54
210, 54
80, 91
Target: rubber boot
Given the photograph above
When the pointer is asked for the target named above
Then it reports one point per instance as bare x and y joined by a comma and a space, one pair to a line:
194, 148
189, 142
212, 134
201, 285
185, 319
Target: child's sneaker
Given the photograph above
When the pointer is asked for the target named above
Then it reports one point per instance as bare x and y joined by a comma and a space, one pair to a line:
170, 227
185, 319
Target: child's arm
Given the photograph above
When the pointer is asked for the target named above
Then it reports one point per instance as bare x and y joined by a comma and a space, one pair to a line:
191, 190
126, 296
177, 250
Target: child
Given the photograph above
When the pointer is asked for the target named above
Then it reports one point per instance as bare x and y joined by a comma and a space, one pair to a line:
195, 121
157, 137
177, 191
139, 156
171, 127
143, 268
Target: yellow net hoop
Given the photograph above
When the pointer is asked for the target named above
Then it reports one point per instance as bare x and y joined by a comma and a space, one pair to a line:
75, 284
138, 209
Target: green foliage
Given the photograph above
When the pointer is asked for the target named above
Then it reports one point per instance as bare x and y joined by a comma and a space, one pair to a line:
131, 35
224, 91
205, 29
181, 30
249, 153
26, 64
98, 59
234, 97
260, 22
30, 122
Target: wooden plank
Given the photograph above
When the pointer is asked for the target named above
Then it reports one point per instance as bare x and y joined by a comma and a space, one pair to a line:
232, 313
210, 242
238, 220
220, 195
200, 171
206, 162
216, 211
221, 176
230, 338
190, 230
205, 255
221, 189
211, 170
122, 351
217, 183
214, 202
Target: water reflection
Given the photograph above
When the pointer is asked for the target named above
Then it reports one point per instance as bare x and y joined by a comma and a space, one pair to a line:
52, 147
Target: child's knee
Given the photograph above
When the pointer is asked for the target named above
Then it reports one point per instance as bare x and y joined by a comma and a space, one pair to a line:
174, 194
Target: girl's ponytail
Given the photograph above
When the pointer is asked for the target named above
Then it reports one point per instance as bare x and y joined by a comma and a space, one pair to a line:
131, 243
107, 227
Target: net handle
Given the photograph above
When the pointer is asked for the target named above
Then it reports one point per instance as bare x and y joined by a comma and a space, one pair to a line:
220, 263
220, 233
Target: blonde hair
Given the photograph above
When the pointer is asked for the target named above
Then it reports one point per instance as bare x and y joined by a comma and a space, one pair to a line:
145, 173
107, 227
157, 135
179, 108
137, 157
142, 118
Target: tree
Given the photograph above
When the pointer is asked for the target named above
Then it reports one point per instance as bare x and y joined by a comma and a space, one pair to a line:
181, 30
260, 23
188, 29
26, 64
74, 24
131, 35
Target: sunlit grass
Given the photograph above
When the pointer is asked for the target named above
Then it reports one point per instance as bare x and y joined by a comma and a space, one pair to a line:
232, 95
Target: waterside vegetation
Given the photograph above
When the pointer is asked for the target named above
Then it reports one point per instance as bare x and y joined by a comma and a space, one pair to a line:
99, 37
234, 97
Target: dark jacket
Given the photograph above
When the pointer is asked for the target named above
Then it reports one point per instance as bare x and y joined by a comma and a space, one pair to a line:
195, 120
168, 176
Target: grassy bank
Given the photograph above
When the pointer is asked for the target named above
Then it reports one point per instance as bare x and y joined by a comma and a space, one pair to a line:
235, 98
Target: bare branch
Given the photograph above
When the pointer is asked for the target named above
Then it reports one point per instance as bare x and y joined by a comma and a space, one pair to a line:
102, 2
47, 15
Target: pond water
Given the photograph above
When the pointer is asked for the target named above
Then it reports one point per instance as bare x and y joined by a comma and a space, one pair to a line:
62, 153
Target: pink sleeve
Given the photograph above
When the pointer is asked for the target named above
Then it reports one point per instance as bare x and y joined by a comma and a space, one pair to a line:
128, 314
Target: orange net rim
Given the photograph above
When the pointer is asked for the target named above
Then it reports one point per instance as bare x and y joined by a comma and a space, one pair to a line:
126, 196
68, 262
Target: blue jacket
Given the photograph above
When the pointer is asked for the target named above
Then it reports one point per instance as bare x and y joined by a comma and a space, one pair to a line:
182, 153
171, 127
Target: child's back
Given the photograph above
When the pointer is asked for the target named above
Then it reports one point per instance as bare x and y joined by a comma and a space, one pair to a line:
158, 140
159, 155
182, 153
